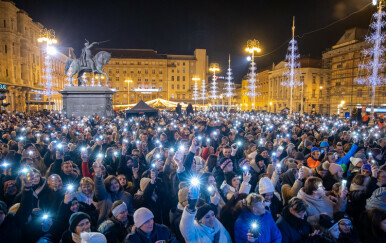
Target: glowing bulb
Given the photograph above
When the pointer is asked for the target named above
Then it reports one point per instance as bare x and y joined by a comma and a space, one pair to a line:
195, 181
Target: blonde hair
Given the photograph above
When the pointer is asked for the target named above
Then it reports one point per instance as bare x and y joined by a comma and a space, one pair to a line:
86, 181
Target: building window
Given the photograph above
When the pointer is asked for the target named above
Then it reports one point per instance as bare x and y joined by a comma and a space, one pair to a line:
172, 70
110, 71
160, 71
153, 71
139, 71
321, 80
359, 93
178, 78
146, 71
117, 79
160, 79
5, 49
183, 86
313, 80
124, 71
139, 79
172, 86
183, 70
183, 78
301, 78
5, 23
117, 71
178, 96
6, 72
178, 86
183, 96
139, 63
146, 80
313, 93
172, 96
172, 78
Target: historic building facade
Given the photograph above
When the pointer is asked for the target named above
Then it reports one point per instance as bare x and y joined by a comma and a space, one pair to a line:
22, 61
143, 74
342, 60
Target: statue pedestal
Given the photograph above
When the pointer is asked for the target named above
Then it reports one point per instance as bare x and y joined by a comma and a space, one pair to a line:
88, 101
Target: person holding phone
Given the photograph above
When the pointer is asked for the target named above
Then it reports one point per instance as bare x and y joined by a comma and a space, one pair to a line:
199, 224
253, 213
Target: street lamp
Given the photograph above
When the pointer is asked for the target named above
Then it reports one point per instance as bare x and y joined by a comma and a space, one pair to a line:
340, 105
128, 81
270, 105
214, 67
252, 47
48, 37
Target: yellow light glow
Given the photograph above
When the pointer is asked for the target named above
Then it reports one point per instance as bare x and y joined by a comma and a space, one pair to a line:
342, 102
321, 87
129, 81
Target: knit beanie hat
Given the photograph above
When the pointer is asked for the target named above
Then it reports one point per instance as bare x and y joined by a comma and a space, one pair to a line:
144, 183
324, 144
141, 216
76, 218
314, 149
360, 156
355, 161
366, 167
307, 143
224, 162
92, 237
229, 176
205, 153
3, 207
299, 156
203, 210
326, 222
183, 196
334, 168
265, 186
243, 161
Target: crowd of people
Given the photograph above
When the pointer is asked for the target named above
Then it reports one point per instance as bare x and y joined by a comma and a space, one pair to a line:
196, 177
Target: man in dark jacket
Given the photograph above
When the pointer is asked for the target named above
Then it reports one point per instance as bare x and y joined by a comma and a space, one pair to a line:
292, 223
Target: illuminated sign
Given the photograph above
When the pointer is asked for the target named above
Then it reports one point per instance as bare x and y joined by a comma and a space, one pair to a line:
3, 86
146, 91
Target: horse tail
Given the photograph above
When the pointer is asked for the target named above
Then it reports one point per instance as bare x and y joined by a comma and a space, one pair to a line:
68, 64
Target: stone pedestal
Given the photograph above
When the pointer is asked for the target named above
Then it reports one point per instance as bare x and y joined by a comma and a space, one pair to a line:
87, 101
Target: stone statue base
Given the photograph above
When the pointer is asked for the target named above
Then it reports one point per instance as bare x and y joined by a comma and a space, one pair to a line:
88, 101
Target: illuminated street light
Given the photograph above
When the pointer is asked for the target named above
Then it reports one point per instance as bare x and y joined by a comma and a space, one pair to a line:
252, 47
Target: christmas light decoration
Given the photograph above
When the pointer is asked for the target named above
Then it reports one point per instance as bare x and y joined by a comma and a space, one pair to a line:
229, 85
370, 70
203, 92
214, 67
292, 66
196, 92
252, 47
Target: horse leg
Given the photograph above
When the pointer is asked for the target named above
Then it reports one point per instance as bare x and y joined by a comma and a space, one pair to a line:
100, 79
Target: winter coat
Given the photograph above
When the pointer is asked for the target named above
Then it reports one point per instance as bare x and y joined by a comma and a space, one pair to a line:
275, 207
292, 228
192, 231
114, 230
267, 228
366, 233
312, 163
11, 228
106, 199
160, 232
175, 215
316, 206
329, 181
288, 192
229, 190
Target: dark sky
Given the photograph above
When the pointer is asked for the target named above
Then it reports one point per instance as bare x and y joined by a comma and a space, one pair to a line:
180, 26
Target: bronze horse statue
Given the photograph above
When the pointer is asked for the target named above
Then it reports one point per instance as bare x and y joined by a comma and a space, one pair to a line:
100, 59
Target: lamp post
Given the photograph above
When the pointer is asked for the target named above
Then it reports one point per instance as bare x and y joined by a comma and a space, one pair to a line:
48, 37
214, 67
252, 47
339, 106
128, 81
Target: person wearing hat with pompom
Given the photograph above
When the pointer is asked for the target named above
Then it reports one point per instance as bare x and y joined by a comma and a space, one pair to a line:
145, 230
271, 201
226, 165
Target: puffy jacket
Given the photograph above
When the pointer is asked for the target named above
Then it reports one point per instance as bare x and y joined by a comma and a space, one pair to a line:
292, 228
267, 228
312, 163
114, 230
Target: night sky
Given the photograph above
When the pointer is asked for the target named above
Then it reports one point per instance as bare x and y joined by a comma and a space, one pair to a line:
221, 27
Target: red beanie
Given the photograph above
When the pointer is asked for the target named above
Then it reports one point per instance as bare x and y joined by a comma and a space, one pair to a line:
205, 153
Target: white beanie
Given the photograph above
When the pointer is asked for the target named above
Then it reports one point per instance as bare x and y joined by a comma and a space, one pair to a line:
265, 186
355, 161
92, 237
141, 216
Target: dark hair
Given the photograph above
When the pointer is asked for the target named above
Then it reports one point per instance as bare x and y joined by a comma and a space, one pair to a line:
211, 162
108, 181
297, 204
377, 216
359, 180
226, 147
311, 185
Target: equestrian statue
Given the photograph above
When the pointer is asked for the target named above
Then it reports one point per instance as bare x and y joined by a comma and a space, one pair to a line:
87, 63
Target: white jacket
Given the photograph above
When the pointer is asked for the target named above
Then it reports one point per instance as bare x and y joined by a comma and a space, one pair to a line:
193, 232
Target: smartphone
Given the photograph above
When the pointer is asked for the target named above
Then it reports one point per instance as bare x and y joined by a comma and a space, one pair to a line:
194, 190
254, 230
343, 185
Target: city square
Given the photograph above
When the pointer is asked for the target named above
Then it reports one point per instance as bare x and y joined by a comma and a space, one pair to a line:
165, 121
